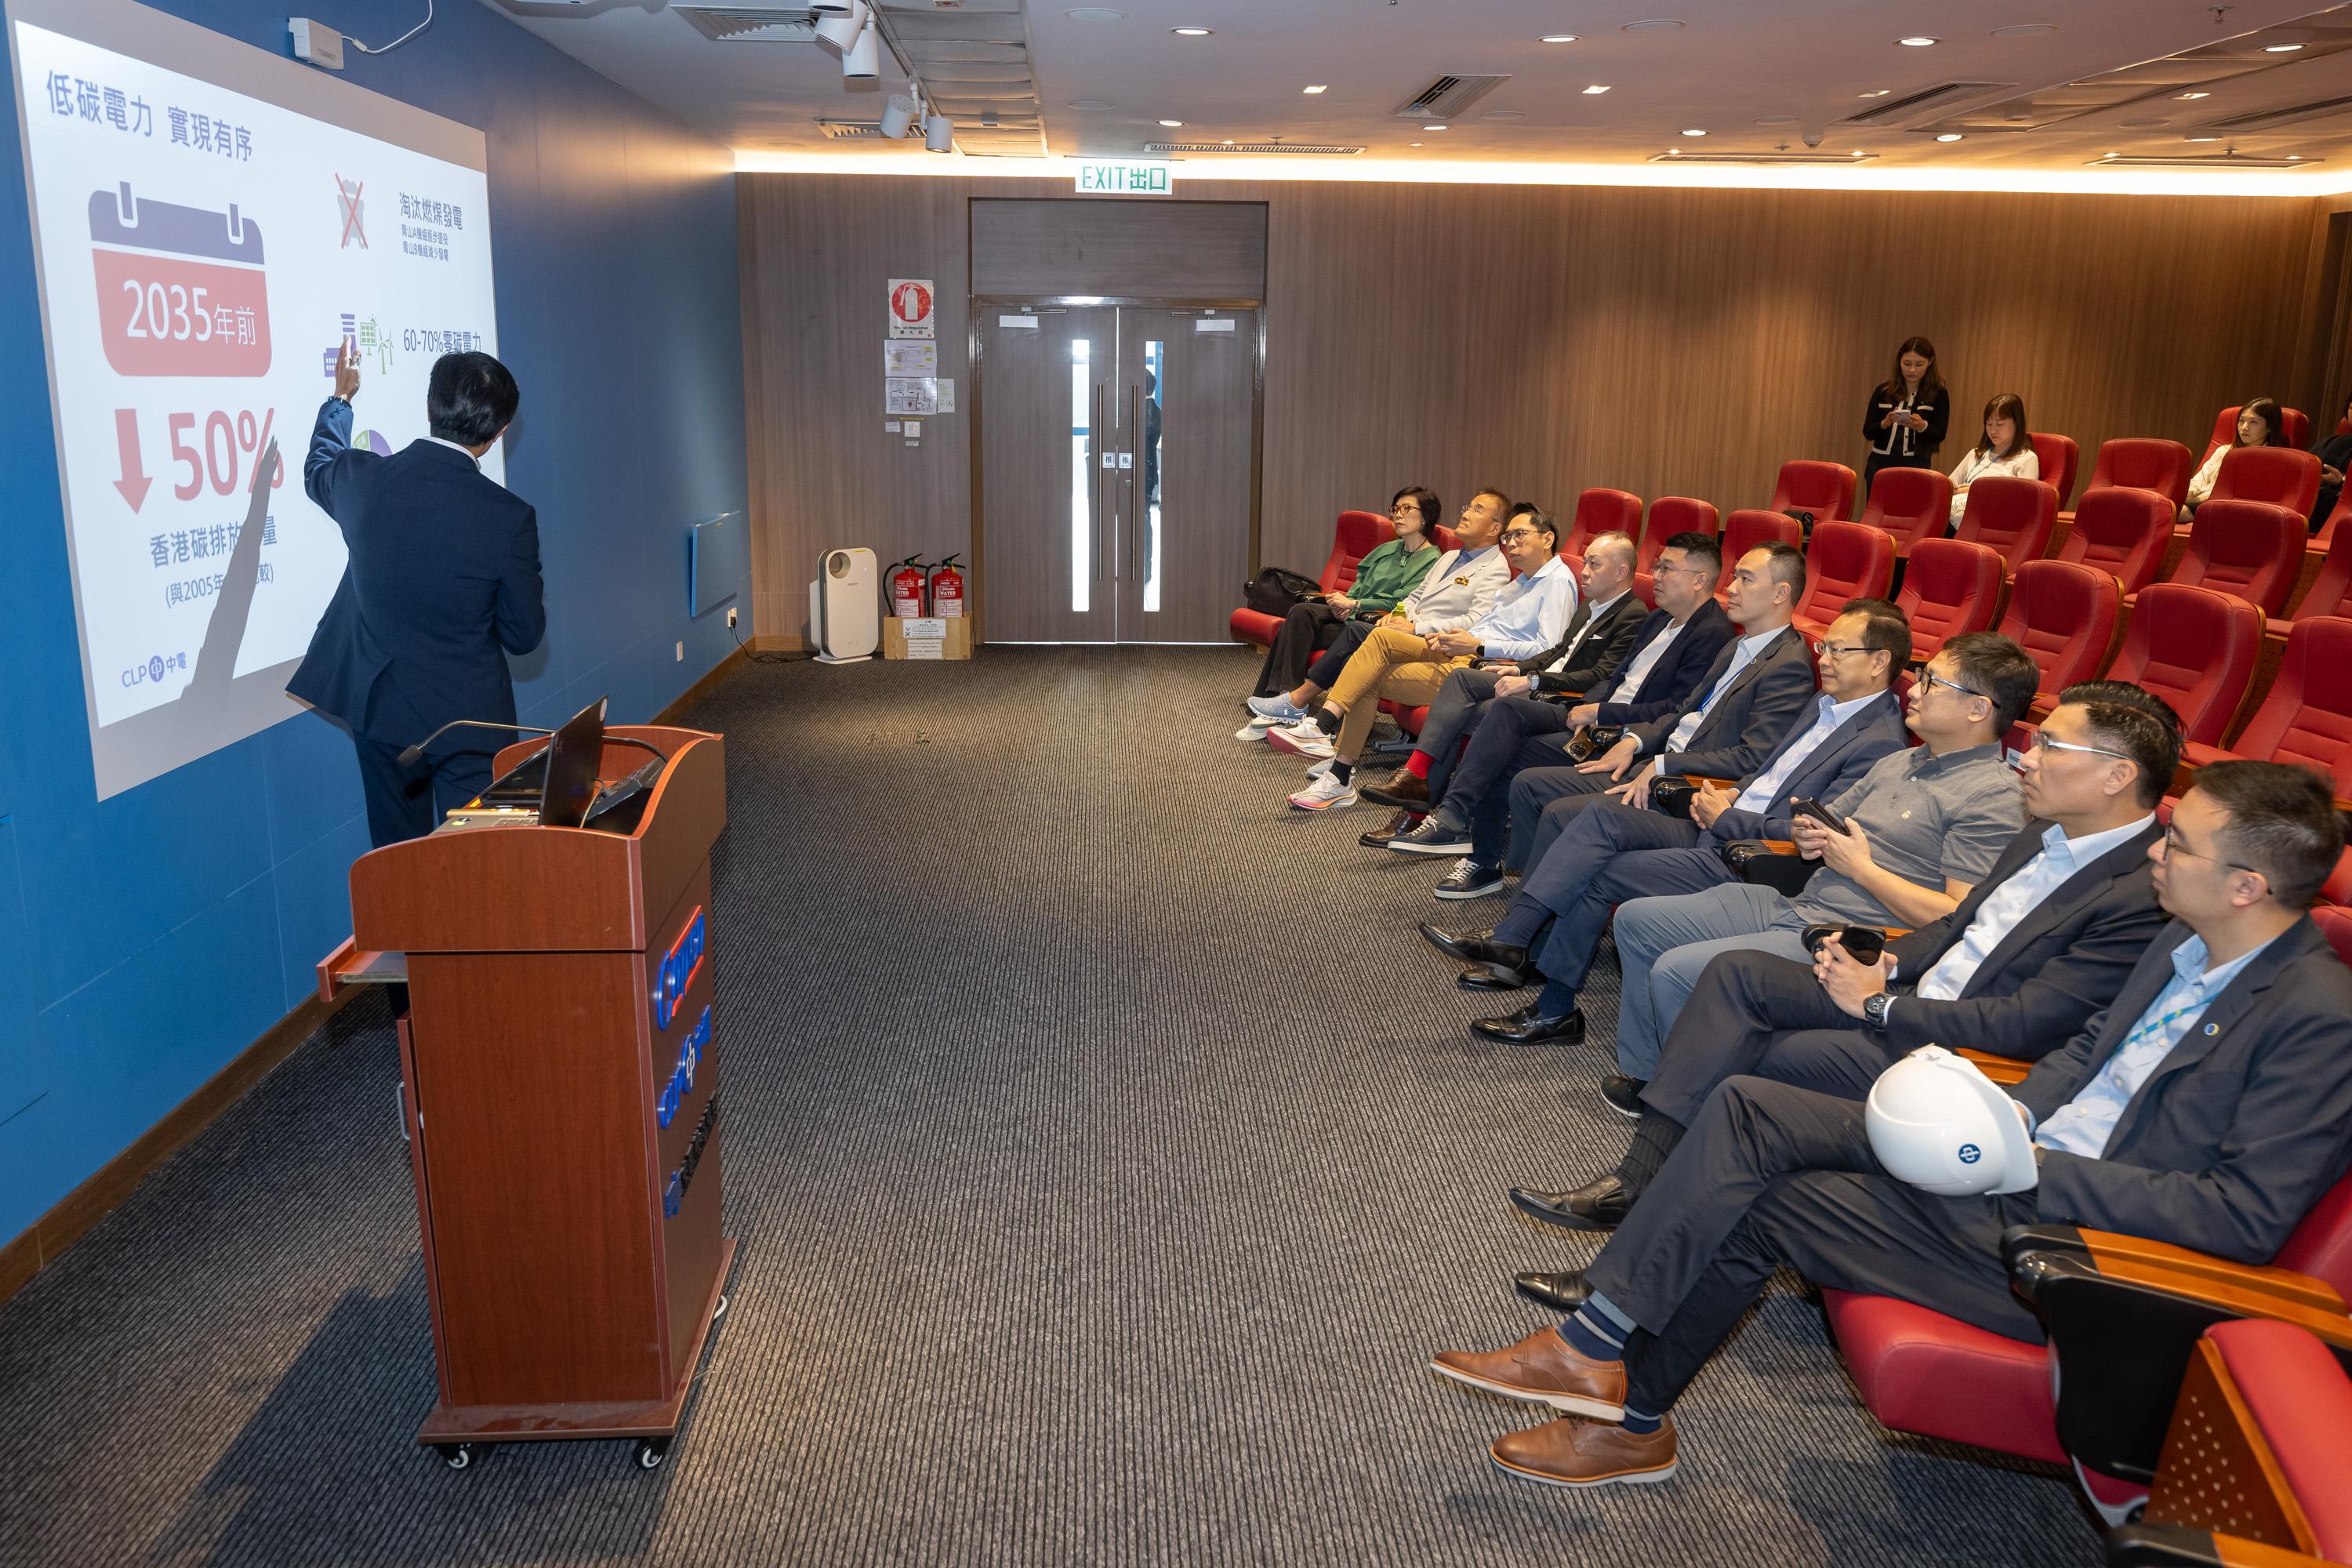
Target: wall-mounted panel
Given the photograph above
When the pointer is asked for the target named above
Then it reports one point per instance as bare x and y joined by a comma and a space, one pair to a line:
1120, 250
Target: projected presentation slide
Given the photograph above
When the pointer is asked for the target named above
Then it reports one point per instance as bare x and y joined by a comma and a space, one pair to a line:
212, 222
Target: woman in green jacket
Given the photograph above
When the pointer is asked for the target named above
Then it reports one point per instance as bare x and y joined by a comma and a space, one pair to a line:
1383, 580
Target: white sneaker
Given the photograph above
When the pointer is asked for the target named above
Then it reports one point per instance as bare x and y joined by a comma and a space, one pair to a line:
1321, 769
1326, 793
1254, 731
1304, 739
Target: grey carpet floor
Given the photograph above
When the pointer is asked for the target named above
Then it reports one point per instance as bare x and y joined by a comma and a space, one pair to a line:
1107, 1154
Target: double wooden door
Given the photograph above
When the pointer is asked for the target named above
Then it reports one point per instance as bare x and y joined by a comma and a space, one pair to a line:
1115, 470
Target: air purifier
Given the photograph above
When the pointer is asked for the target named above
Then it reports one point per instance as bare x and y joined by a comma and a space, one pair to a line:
846, 606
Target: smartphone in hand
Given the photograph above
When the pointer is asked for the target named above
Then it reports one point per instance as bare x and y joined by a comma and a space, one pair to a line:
1805, 806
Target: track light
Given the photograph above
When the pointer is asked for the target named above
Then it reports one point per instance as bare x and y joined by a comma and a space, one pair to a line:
843, 32
897, 116
831, 7
862, 61
938, 133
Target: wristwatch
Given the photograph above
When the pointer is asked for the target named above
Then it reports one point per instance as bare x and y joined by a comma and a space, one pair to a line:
1481, 653
1874, 1008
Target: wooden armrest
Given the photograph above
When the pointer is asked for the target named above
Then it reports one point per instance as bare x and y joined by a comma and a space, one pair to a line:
2000, 1069
1702, 782
1777, 846
2135, 1257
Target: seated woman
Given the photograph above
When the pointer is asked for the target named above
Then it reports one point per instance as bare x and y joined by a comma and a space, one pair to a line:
2335, 454
2003, 449
1383, 578
2260, 423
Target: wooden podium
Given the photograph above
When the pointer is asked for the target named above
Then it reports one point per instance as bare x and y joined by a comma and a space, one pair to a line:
561, 1103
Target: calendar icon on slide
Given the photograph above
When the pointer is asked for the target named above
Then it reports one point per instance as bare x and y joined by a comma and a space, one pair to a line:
180, 291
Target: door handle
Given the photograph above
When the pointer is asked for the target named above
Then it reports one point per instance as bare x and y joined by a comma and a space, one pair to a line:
1138, 501
1095, 531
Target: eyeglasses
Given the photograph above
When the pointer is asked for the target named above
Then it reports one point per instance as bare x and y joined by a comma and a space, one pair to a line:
1663, 567
1840, 649
2043, 742
1405, 509
1519, 535
1932, 678
2173, 846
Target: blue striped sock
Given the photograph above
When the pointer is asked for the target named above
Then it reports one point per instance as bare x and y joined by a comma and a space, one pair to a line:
1592, 1336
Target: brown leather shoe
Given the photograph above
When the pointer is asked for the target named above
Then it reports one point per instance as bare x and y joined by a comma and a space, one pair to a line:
1542, 1370
1401, 788
1573, 1453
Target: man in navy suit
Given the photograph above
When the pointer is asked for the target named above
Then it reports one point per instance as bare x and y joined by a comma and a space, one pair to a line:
442, 583
1625, 849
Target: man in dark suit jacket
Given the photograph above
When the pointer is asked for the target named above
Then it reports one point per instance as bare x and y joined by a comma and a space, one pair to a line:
1671, 652
443, 576
1591, 648
1615, 850
2209, 1107
2037, 948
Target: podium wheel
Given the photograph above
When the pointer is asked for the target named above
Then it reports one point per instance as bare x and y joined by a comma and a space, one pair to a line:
651, 1452
457, 1456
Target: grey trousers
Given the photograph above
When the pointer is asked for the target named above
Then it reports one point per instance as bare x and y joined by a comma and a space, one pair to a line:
1665, 945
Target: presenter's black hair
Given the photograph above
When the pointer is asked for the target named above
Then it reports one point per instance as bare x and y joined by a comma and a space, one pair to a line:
470, 399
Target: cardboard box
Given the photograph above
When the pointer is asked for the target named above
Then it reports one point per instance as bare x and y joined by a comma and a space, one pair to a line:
926, 637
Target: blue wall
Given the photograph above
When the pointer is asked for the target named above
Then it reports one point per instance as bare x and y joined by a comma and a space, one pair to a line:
147, 939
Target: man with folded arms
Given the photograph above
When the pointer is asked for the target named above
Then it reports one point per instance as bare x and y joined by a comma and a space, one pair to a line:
1606, 620
1924, 826
2209, 1107
1613, 850
1672, 652
2027, 958
1526, 617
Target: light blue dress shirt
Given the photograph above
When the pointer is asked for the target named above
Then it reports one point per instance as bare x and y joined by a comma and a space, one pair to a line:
1742, 656
2084, 1123
1764, 788
1529, 614
2003, 908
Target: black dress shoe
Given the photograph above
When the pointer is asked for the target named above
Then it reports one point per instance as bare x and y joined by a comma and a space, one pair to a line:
1623, 1094
1530, 1027
1481, 977
1561, 1292
1597, 1205
1470, 880
1433, 836
1378, 839
1477, 947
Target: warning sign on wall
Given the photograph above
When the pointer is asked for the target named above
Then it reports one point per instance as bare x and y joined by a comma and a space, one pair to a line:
911, 302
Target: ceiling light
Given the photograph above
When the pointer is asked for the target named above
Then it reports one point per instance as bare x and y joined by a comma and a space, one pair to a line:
1412, 143
1673, 151
898, 115
1950, 136
1880, 92
1595, 90
2294, 157
1191, 32
862, 61
1092, 14
2201, 139
1558, 38
938, 133
844, 31
2280, 49
1694, 132
1324, 87
1917, 43
2189, 95
1171, 124
1432, 128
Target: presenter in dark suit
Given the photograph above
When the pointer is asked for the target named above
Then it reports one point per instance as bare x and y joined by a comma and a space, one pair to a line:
1671, 652
2208, 1107
442, 584
1622, 848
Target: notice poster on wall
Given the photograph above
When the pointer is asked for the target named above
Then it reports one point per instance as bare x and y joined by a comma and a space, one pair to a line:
211, 221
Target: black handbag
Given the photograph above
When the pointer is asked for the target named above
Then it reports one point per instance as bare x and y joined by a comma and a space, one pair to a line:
1275, 591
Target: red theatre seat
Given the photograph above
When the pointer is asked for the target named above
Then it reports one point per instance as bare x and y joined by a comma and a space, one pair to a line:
2246, 548
2307, 717
1826, 490
1601, 511
2145, 463
1846, 561
1910, 504
1670, 515
2063, 613
2058, 456
2225, 430
2279, 475
2121, 530
2327, 525
2014, 516
1357, 536
1950, 587
2196, 650
1746, 529
2331, 592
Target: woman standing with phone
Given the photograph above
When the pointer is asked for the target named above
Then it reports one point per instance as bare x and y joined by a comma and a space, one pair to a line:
1907, 415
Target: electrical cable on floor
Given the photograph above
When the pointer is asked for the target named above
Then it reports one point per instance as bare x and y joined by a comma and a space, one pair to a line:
779, 656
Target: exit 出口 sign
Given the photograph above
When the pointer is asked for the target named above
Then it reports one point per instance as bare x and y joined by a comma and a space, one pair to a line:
1124, 177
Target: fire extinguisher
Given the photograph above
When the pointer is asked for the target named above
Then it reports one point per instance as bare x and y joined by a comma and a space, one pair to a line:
907, 588
947, 589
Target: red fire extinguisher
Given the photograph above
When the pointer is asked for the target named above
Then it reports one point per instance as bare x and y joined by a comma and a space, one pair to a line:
906, 587
947, 589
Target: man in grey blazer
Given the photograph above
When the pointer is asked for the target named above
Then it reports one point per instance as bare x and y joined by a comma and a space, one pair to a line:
1614, 851
1759, 684
2209, 1108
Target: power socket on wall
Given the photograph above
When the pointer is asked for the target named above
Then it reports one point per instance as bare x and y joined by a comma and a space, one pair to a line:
731, 613
681, 653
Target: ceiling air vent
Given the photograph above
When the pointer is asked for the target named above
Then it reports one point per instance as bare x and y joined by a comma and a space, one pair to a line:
748, 25
1448, 97
1770, 160
1888, 110
2294, 113
1256, 149
2207, 161
850, 129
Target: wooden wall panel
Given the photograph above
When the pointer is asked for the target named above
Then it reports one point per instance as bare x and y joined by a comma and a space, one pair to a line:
1544, 339
1122, 248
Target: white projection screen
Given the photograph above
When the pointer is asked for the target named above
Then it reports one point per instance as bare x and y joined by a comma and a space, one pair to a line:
210, 221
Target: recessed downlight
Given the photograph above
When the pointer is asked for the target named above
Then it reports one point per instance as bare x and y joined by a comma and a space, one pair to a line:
1918, 43
2280, 49
1876, 92
1950, 136
1191, 32
1558, 38
1319, 87
1432, 128
1412, 143
1694, 132
1595, 90
2194, 95
1171, 124
2201, 139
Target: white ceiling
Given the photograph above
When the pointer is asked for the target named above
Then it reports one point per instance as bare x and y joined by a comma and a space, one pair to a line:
1729, 65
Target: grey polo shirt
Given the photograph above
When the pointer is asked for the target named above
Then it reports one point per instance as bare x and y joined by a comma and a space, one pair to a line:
1930, 819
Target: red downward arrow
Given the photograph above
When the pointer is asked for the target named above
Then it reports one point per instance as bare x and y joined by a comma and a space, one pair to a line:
135, 482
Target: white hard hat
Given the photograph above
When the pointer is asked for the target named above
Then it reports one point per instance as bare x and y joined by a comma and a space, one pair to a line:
1941, 1125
